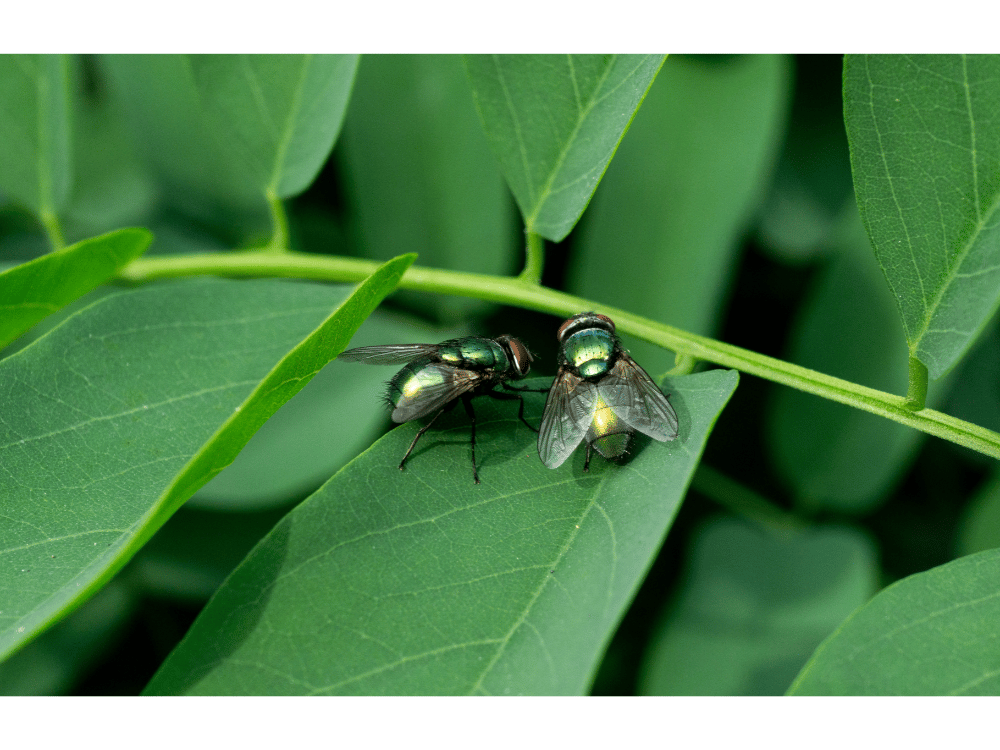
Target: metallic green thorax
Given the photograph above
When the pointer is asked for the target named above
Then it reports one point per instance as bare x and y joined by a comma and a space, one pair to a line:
590, 351
476, 353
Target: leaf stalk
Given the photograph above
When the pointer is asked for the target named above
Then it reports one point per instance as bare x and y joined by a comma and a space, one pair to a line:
534, 258
916, 394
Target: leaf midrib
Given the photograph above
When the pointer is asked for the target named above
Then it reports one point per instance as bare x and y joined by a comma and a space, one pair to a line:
505, 641
981, 223
592, 100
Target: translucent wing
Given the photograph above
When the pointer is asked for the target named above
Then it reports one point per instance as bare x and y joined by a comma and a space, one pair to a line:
389, 354
437, 384
569, 410
638, 401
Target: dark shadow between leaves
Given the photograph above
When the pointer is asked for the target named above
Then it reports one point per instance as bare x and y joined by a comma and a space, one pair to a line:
231, 616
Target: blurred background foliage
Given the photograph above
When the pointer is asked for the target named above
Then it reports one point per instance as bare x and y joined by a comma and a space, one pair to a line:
728, 211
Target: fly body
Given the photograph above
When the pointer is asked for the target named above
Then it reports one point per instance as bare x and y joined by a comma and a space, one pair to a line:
435, 377
599, 395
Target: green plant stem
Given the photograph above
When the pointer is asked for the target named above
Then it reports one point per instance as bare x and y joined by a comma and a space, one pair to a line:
534, 258
916, 394
279, 224
515, 291
684, 364
51, 224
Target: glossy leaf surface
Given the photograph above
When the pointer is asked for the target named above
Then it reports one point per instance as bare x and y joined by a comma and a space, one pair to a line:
933, 633
665, 227
114, 418
421, 582
554, 122
33, 290
754, 606
925, 151
35, 159
277, 114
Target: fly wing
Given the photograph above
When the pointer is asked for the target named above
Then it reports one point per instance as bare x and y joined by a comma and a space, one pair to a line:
438, 383
637, 400
569, 410
389, 354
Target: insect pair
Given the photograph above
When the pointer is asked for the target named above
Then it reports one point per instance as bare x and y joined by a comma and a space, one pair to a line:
599, 394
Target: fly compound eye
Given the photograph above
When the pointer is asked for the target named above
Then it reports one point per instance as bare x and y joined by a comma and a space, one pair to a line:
583, 320
572, 324
520, 356
609, 323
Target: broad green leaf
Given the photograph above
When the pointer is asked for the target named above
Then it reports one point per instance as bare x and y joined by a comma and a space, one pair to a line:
554, 122
421, 177
164, 113
754, 606
31, 291
114, 418
421, 582
933, 633
35, 159
277, 114
832, 456
328, 423
925, 151
665, 227
111, 187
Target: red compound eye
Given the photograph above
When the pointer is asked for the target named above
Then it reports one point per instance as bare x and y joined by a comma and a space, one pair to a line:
584, 320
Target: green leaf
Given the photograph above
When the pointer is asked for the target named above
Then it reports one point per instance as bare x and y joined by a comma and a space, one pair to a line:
933, 633
278, 114
754, 606
421, 175
554, 122
925, 151
35, 160
664, 230
112, 188
31, 291
164, 113
114, 418
832, 456
421, 582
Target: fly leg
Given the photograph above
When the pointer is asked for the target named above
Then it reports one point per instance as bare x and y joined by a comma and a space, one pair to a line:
510, 396
467, 400
586, 461
420, 432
